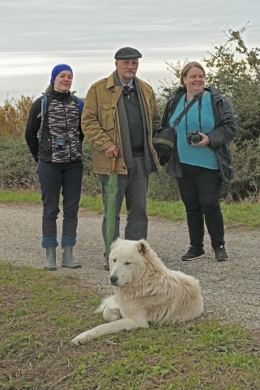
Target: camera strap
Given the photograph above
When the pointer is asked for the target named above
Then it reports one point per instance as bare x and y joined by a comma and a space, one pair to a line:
188, 106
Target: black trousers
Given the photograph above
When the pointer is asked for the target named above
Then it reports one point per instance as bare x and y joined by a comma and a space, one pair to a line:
200, 190
56, 178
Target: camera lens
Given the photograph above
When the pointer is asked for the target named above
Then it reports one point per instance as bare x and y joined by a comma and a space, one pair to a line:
195, 138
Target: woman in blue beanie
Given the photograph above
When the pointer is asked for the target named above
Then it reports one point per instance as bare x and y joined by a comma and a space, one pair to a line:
54, 136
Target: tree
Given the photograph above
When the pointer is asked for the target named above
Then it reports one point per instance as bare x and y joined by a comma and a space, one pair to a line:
235, 70
13, 117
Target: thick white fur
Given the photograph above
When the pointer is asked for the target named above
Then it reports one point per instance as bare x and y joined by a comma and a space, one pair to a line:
144, 290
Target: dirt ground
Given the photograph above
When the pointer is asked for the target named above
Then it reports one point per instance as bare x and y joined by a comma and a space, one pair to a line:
230, 289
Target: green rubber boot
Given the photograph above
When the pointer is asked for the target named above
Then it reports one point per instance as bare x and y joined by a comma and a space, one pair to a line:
68, 259
50, 264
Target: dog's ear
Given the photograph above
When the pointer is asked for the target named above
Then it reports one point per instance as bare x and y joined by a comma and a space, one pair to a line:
142, 247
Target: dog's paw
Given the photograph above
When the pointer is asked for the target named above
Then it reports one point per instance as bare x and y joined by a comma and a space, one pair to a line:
77, 341
82, 338
111, 315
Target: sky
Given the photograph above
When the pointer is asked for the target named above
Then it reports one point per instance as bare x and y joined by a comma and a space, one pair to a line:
36, 35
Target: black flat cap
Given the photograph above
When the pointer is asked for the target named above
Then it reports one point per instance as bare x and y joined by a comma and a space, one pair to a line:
127, 53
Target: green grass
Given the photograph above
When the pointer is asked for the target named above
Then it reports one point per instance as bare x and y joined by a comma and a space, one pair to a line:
243, 213
238, 214
42, 311
20, 197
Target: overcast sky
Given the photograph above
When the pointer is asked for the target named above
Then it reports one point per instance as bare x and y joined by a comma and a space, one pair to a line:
35, 35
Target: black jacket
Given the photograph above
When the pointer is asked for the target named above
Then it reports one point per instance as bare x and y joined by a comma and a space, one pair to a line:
62, 120
224, 131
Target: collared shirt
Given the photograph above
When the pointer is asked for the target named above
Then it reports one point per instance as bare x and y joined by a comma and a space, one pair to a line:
130, 85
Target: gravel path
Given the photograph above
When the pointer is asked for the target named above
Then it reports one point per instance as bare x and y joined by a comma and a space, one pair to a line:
231, 290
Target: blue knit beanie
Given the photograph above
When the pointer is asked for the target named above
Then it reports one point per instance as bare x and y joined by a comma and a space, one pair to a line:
57, 69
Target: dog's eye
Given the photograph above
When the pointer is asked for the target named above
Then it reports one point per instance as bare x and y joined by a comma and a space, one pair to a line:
114, 260
128, 262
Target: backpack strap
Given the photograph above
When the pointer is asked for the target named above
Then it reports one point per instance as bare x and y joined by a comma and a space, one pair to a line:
44, 103
79, 102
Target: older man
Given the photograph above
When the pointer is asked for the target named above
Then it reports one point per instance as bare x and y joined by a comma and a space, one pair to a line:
119, 117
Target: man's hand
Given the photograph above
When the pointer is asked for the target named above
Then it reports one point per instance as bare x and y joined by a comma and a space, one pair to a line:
112, 152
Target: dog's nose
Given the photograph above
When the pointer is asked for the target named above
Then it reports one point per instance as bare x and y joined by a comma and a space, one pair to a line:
113, 279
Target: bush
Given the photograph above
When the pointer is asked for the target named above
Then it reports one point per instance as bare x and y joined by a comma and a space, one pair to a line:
90, 182
163, 187
18, 171
17, 166
13, 117
246, 183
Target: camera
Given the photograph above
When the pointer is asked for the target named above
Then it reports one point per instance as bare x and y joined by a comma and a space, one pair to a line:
60, 144
194, 137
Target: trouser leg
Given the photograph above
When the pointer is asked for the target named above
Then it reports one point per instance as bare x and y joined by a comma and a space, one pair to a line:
135, 194
50, 178
194, 215
134, 188
200, 190
71, 191
209, 184
122, 182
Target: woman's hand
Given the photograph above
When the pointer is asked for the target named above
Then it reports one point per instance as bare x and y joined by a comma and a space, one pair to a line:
204, 142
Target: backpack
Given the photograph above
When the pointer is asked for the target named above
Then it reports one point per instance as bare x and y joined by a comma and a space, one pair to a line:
44, 107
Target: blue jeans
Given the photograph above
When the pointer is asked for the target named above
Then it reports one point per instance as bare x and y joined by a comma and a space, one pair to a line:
200, 190
54, 178
133, 187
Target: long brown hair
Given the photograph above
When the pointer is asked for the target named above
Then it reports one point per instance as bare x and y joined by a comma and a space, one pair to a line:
186, 69
49, 88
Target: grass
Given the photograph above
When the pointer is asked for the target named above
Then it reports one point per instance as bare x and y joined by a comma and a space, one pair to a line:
42, 311
236, 214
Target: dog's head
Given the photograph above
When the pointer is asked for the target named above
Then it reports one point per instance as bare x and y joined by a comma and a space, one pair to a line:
126, 260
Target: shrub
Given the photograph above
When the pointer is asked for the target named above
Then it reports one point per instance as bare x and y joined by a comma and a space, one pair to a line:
17, 166
13, 117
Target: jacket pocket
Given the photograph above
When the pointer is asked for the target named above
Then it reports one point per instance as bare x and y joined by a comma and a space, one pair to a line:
107, 116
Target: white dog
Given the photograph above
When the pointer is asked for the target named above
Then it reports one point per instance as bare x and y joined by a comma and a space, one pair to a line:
144, 290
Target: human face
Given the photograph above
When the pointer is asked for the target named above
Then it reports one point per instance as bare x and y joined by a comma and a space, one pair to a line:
194, 81
63, 81
127, 69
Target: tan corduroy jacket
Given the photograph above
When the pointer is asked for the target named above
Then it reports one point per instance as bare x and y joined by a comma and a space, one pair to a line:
100, 122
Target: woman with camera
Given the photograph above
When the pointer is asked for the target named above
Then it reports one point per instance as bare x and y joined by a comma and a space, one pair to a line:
201, 160
54, 136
